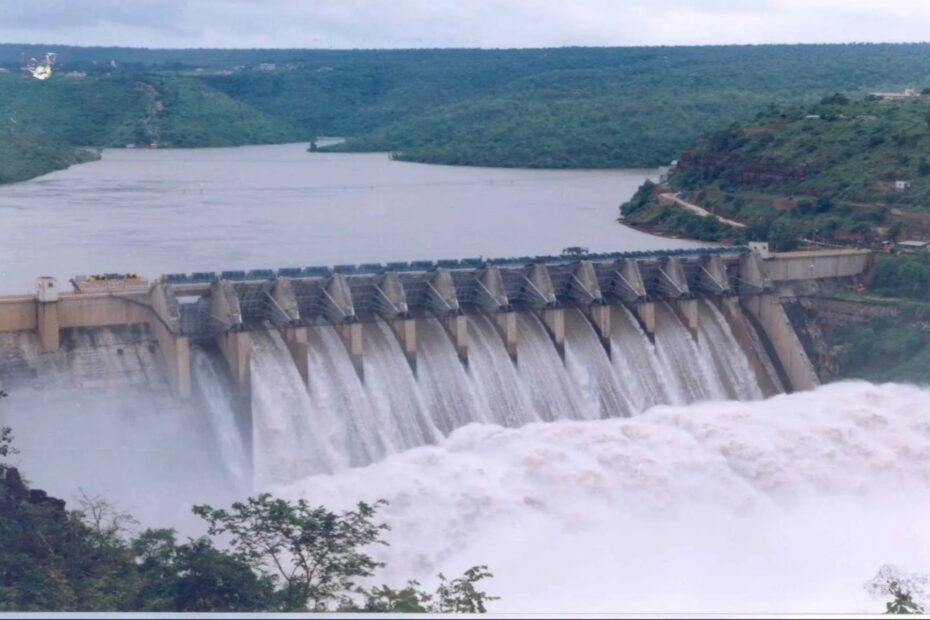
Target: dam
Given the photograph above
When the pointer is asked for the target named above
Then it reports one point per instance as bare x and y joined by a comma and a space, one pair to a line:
295, 371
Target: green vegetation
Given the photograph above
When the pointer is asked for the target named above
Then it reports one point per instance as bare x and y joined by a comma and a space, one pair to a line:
894, 348
903, 276
559, 108
827, 172
23, 156
282, 557
886, 349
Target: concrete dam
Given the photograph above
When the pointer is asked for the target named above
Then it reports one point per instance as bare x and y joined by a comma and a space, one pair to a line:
288, 372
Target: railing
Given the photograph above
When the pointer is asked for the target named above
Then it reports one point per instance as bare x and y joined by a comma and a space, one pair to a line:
425, 265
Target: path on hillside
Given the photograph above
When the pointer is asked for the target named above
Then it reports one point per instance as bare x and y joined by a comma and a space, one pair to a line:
675, 198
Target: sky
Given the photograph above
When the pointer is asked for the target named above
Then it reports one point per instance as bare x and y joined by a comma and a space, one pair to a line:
458, 23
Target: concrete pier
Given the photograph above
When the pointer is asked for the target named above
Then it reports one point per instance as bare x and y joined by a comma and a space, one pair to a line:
457, 328
406, 331
554, 320
506, 323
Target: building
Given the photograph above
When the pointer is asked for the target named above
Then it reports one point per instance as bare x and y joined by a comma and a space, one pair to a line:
902, 185
909, 93
912, 246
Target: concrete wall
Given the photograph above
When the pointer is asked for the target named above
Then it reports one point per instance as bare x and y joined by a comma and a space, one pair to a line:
17, 313
768, 311
786, 266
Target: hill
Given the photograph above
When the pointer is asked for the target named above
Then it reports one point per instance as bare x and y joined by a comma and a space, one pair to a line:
23, 156
559, 108
843, 170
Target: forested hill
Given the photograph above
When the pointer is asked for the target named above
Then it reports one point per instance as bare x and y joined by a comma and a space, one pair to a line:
566, 107
843, 170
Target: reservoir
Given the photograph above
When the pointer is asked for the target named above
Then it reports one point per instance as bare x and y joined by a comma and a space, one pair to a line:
160, 211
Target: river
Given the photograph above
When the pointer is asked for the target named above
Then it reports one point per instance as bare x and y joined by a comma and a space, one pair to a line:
161, 211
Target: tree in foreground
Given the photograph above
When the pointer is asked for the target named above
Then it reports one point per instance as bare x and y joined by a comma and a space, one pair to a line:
284, 556
906, 591
315, 558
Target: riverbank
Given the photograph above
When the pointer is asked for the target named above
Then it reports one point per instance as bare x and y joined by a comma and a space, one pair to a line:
24, 157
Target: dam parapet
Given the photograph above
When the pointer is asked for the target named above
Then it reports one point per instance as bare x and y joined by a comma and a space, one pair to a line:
222, 309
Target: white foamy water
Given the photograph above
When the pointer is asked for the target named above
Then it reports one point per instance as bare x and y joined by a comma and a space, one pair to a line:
784, 505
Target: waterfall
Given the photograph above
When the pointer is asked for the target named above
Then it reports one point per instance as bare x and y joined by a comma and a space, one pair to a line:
692, 365
339, 419
497, 385
587, 361
637, 364
215, 394
553, 393
335, 388
393, 391
732, 366
288, 439
447, 392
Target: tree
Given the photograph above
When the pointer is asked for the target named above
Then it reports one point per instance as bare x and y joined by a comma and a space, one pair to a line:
451, 596
903, 588
315, 553
195, 577
6, 439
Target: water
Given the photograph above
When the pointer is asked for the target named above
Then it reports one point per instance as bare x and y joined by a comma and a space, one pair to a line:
637, 364
521, 466
781, 506
692, 367
161, 211
289, 435
335, 387
730, 362
552, 392
216, 397
500, 391
393, 391
447, 390
587, 361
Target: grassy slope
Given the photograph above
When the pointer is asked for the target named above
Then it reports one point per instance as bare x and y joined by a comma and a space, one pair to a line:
23, 156
852, 150
788, 176
568, 107
116, 110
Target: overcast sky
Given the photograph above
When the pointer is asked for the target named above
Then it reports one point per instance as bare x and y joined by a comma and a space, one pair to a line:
458, 23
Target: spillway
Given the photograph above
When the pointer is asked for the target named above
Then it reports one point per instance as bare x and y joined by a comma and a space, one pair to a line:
343, 416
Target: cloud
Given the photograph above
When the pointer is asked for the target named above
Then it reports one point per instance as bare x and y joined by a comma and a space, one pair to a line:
454, 23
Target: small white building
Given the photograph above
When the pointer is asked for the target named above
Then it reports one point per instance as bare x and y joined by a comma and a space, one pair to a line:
760, 247
902, 185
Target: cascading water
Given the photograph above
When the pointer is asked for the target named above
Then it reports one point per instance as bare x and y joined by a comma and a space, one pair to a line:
339, 420
393, 391
289, 437
215, 393
447, 393
497, 384
692, 365
335, 387
552, 391
734, 503
587, 361
730, 361
637, 364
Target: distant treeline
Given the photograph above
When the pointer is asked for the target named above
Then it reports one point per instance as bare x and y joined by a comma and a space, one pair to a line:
561, 108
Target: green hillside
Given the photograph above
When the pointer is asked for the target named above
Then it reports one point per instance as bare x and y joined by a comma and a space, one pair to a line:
24, 156
559, 108
847, 170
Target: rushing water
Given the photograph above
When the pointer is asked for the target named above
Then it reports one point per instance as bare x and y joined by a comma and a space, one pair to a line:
785, 505
644, 471
161, 211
